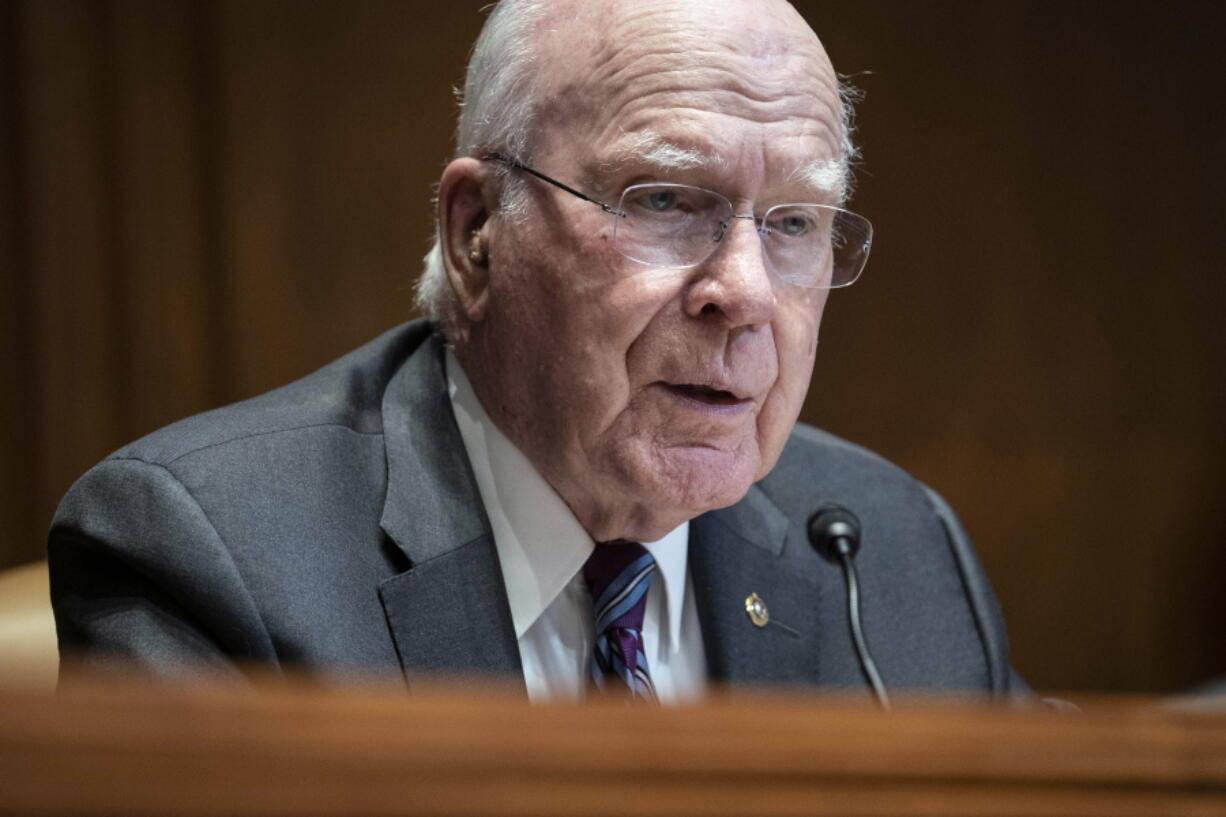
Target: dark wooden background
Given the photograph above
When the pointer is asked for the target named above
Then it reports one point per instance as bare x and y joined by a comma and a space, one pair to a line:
200, 201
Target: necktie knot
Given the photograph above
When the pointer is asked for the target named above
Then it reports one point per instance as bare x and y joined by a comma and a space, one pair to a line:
618, 576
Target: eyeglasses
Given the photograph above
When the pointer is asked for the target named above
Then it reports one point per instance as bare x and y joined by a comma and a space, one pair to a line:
678, 226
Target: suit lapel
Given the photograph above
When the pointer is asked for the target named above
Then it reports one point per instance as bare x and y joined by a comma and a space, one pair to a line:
735, 553
449, 616
448, 613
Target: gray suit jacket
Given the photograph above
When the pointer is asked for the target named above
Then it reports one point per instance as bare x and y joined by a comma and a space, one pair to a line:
334, 525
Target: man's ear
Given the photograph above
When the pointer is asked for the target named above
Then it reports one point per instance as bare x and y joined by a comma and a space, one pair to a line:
464, 207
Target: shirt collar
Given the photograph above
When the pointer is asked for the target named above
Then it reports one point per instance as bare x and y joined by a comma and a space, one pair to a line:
671, 554
540, 543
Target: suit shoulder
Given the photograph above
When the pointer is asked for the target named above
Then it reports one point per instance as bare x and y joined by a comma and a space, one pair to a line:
922, 584
809, 448
346, 393
817, 467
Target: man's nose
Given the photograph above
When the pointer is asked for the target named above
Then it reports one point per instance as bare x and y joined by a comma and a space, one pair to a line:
734, 284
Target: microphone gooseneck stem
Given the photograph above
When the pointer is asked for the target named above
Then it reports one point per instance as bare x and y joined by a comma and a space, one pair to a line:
857, 631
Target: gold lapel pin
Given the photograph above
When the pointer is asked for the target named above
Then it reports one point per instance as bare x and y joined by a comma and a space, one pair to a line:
756, 609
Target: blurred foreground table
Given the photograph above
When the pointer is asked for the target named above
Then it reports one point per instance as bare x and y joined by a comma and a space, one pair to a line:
296, 749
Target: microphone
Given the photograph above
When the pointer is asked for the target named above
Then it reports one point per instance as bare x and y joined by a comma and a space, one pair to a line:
834, 533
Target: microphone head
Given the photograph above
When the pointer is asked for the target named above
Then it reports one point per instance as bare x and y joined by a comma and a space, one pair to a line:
833, 530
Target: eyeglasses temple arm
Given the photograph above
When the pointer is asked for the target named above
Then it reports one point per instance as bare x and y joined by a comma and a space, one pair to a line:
509, 162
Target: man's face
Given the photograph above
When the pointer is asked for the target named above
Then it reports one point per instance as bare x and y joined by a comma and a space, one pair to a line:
647, 396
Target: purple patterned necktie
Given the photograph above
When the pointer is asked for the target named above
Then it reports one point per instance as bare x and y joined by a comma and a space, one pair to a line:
618, 575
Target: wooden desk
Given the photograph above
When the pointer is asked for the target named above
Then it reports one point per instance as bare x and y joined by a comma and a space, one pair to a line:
290, 749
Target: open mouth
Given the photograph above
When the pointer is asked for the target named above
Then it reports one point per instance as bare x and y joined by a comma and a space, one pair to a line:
705, 394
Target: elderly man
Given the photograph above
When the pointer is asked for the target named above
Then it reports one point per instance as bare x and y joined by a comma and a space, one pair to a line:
635, 246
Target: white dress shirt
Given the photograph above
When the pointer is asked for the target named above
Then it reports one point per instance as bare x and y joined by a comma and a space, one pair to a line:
542, 549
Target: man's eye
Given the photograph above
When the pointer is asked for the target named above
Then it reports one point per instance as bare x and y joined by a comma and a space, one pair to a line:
661, 201
794, 225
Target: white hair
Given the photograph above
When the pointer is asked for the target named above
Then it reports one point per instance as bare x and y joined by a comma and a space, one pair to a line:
849, 96
647, 148
497, 106
829, 176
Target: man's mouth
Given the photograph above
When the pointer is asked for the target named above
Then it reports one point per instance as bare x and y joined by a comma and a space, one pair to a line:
706, 395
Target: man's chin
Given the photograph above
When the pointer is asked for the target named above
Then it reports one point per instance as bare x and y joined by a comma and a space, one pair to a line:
644, 490
685, 481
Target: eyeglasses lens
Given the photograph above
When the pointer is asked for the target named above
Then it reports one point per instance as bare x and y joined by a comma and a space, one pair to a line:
677, 226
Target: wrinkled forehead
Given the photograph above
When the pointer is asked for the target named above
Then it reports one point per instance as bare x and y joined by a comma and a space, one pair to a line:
752, 58
758, 28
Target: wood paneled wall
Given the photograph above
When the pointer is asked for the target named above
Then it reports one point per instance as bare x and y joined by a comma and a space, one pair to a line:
200, 201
